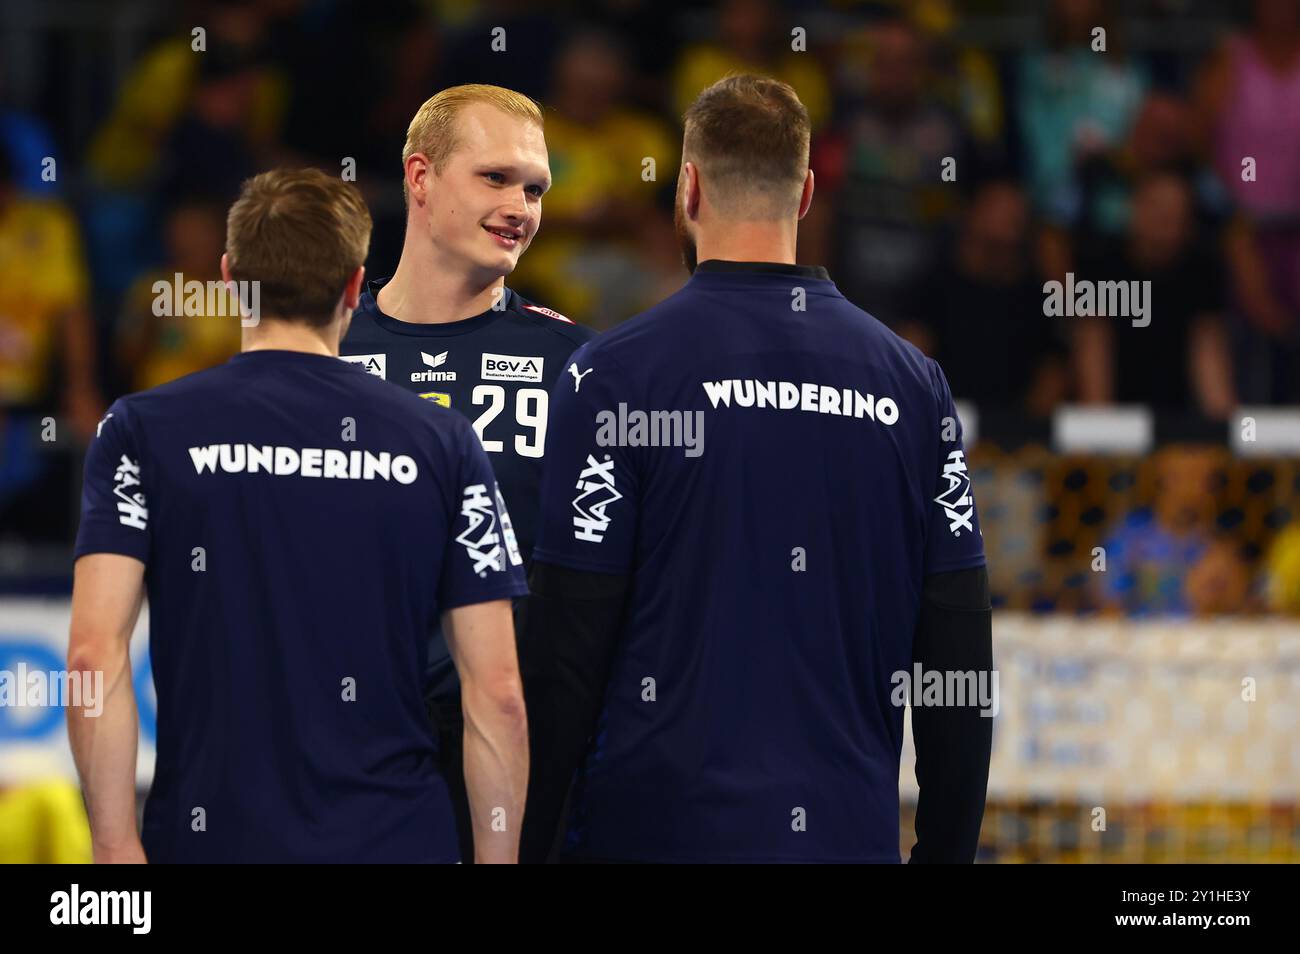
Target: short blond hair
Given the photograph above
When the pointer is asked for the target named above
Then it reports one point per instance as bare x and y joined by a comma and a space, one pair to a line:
433, 129
301, 234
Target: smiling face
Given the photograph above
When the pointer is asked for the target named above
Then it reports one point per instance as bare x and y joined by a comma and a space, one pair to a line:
485, 205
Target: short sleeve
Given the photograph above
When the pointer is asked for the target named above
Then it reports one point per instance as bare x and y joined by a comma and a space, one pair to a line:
589, 502
114, 492
953, 540
482, 561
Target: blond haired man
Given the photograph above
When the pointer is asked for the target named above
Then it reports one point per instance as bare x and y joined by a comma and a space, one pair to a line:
291, 724
446, 327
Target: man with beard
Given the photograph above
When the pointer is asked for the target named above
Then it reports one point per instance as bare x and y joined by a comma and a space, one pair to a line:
756, 516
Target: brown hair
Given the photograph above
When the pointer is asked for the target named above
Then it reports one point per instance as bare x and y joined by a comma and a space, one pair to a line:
749, 137
433, 128
301, 234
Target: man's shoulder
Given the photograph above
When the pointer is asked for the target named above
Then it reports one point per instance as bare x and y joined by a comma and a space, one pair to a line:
224, 390
678, 328
547, 321
858, 331
167, 407
192, 386
522, 318
662, 323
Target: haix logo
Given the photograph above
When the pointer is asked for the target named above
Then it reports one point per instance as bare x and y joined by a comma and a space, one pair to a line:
433, 361
957, 501
595, 493
131, 510
480, 538
509, 367
508, 531
376, 364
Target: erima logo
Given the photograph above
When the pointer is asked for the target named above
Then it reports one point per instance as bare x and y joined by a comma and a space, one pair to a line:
433, 361
788, 396
577, 378
480, 538
956, 501
509, 367
376, 364
324, 462
131, 510
131, 908
595, 493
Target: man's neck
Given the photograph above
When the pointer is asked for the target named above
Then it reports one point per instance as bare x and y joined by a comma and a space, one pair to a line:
424, 290
277, 335
749, 242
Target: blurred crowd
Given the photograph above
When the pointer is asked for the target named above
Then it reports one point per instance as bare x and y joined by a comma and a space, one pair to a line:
954, 177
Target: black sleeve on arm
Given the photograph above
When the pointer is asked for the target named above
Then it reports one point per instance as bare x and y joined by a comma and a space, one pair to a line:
567, 638
953, 743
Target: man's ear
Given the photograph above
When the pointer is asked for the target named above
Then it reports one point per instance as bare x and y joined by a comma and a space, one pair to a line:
805, 200
691, 193
417, 176
352, 290
225, 268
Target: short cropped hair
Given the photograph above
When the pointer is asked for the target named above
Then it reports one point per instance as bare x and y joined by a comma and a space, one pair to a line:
300, 234
749, 137
433, 129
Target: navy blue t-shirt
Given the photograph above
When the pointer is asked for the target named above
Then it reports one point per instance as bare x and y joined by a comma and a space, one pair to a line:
303, 526
776, 564
497, 369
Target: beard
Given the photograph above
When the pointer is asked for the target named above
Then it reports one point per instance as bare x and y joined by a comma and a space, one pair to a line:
684, 240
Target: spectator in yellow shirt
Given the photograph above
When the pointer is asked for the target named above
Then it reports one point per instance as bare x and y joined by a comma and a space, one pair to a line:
1282, 572
43, 310
605, 249
753, 40
153, 349
43, 823
128, 146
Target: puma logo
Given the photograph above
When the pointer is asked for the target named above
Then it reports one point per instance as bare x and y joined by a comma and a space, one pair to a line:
577, 378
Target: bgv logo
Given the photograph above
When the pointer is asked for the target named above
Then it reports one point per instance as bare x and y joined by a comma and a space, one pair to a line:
376, 364
509, 367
